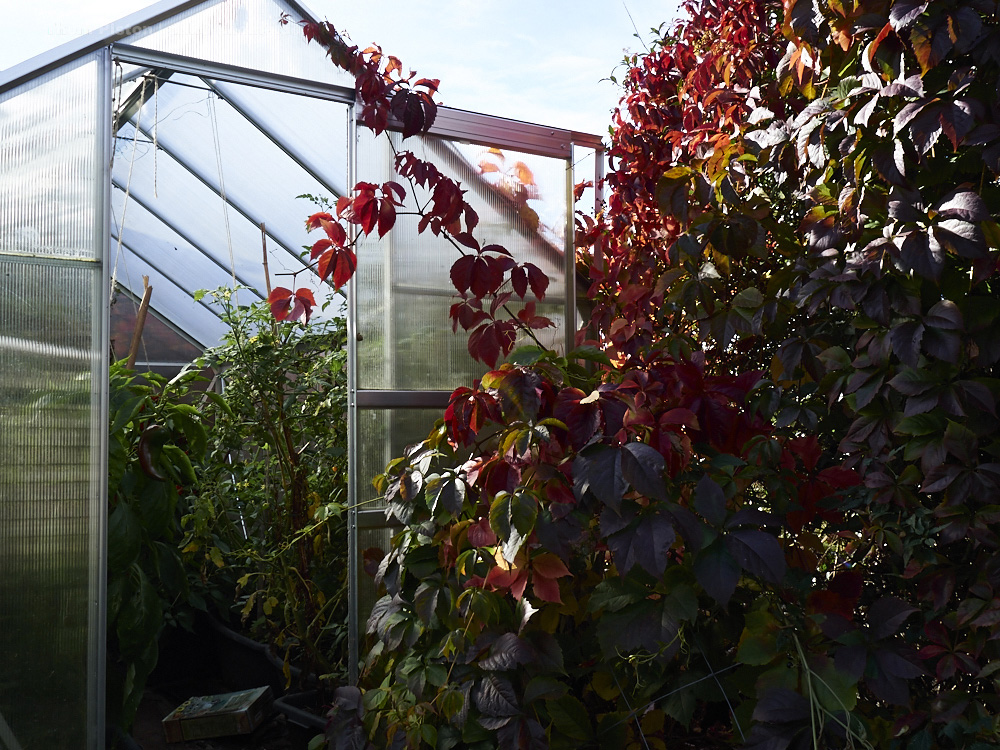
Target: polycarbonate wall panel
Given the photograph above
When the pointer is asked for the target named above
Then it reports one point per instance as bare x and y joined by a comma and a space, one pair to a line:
383, 434
49, 176
245, 33
52, 419
49, 373
404, 287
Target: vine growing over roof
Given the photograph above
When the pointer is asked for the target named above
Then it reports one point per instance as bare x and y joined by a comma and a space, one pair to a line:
485, 277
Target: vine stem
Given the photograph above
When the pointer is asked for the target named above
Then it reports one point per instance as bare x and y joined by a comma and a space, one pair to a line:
421, 211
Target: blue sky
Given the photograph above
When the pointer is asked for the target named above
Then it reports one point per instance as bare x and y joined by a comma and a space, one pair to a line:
543, 61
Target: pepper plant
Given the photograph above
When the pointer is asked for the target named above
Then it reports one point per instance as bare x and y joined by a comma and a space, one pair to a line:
157, 442
268, 524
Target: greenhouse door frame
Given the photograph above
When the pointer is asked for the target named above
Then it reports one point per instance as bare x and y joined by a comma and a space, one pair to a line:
492, 132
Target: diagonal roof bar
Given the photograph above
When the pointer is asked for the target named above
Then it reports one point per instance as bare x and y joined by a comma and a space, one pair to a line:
102, 37
139, 96
210, 184
289, 150
160, 315
184, 236
169, 277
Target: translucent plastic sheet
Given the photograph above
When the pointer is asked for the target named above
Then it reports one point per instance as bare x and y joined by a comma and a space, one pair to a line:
208, 164
245, 33
50, 178
51, 423
404, 288
49, 509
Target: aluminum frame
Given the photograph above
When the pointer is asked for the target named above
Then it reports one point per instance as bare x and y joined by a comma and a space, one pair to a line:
451, 125
101, 394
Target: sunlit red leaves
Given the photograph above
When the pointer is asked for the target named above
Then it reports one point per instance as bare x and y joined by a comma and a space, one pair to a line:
374, 206
544, 571
334, 258
288, 305
337, 264
468, 411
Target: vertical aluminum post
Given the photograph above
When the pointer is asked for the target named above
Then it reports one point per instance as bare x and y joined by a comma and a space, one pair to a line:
353, 626
570, 252
100, 338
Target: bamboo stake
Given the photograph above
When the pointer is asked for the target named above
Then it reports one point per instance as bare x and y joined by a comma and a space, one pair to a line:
140, 323
267, 273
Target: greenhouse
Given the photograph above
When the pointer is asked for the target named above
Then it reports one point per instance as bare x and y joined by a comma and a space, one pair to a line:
173, 153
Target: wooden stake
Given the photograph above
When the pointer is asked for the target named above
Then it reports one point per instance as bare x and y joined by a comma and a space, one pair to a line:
140, 323
267, 273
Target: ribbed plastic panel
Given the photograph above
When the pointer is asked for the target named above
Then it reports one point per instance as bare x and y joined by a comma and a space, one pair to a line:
51, 420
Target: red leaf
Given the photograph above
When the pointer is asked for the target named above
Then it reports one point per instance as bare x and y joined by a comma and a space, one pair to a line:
336, 232
515, 580
315, 221
546, 589
465, 238
319, 248
341, 262
462, 271
487, 342
497, 249
386, 217
519, 281
481, 535
304, 304
390, 189
429, 83
286, 305
537, 280
280, 300
549, 565
364, 212
527, 317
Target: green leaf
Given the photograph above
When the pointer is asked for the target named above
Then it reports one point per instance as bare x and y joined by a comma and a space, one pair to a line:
717, 571
172, 457
125, 413
124, 537
835, 691
500, 515
758, 642
749, 298
570, 718
446, 492
544, 686
591, 354
527, 355
613, 594
931, 423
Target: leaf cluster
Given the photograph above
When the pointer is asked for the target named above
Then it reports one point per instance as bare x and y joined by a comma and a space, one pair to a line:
268, 524
157, 443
